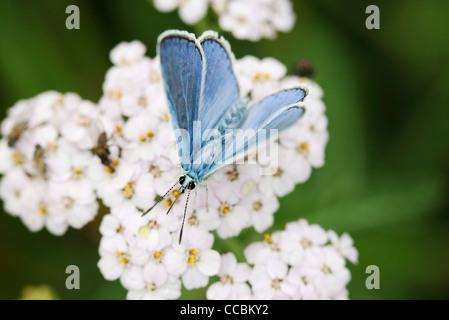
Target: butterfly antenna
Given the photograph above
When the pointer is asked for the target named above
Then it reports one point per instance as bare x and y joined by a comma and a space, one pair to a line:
160, 199
184, 218
176, 199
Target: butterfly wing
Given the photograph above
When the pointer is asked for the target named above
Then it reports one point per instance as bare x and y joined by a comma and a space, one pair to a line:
182, 63
269, 113
200, 85
220, 106
277, 111
221, 89
274, 112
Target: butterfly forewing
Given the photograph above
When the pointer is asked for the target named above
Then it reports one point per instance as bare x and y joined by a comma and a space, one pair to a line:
182, 71
221, 90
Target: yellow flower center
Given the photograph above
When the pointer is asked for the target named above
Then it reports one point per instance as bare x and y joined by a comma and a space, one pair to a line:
276, 284
117, 94
157, 254
227, 279
118, 128
224, 208
128, 190
52, 147
267, 237
175, 193
155, 170
115, 162
143, 101
262, 76
193, 220
306, 243
108, 170
326, 269
257, 206
303, 148
149, 135
122, 259
192, 256
18, 158
83, 121
61, 98
278, 172
167, 203
42, 211
78, 171
233, 174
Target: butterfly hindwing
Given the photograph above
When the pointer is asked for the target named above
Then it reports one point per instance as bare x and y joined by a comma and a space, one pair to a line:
262, 113
182, 63
277, 111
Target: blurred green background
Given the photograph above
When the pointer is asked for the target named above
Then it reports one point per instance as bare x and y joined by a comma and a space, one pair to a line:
385, 179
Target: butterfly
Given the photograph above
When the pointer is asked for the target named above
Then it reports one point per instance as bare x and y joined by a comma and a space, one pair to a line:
214, 125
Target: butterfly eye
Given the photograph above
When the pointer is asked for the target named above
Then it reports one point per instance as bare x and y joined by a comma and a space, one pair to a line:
191, 185
182, 179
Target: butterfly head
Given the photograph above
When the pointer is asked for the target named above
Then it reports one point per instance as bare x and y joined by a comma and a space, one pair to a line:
186, 182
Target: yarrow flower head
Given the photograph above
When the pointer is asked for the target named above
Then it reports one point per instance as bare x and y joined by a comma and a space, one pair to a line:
190, 11
237, 197
301, 262
233, 280
45, 154
61, 153
246, 19
253, 19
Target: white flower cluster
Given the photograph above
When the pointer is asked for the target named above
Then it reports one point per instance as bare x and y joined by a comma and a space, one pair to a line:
246, 19
190, 11
255, 19
59, 153
301, 262
45, 154
139, 170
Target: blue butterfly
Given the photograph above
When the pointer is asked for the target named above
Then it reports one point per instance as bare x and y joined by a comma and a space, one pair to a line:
212, 122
